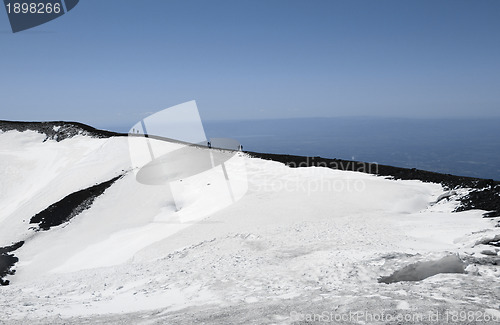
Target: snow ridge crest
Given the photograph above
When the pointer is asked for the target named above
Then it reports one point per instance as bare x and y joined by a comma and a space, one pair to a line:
57, 130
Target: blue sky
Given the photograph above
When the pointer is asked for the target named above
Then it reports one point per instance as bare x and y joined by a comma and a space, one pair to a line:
114, 62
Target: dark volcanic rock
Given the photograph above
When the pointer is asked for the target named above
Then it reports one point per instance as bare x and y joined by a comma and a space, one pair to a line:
485, 196
7, 261
11, 248
57, 130
70, 206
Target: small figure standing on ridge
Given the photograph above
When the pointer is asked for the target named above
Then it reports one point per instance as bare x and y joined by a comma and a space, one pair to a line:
209, 144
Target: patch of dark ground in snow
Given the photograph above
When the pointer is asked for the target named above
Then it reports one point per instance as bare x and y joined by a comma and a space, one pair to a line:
7, 261
57, 130
484, 196
487, 198
56, 214
70, 206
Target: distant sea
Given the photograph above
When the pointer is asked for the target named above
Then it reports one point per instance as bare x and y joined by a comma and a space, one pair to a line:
466, 147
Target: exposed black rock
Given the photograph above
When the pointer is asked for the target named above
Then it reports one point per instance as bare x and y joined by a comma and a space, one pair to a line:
7, 261
11, 248
486, 195
57, 130
487, 198
70, 206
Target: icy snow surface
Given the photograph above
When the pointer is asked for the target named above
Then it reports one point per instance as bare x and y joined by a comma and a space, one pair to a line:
301, 242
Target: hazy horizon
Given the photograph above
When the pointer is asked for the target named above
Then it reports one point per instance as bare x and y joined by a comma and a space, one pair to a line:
465, 147
115, 62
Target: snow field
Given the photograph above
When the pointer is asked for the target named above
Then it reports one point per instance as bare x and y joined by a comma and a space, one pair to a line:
301, 240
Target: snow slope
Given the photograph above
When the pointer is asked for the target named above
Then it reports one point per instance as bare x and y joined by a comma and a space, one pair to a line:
301, 242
